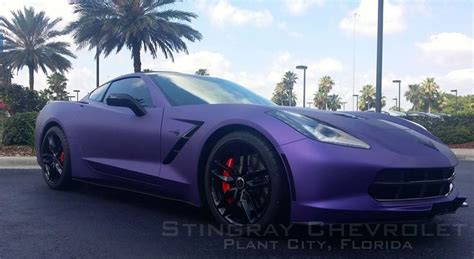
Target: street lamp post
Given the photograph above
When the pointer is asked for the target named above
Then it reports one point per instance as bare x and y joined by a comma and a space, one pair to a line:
357, 101
77, 94
399, 92
354, 58
455, 91
396, 102
378, 87
304, 82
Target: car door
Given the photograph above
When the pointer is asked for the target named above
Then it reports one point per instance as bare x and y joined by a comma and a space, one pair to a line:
115, 141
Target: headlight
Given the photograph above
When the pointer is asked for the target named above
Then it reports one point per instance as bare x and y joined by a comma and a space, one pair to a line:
318, 130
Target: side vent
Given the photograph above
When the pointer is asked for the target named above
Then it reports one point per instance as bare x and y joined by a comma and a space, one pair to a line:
182, 141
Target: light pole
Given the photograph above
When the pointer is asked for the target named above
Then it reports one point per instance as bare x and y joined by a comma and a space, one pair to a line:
455, 91
97, 63
304, 82
396, 101
77, 94
357, 101
378, 91
399, 97
354, 59
309, 104
343, 105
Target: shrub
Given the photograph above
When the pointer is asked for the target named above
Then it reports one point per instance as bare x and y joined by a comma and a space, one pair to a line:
20, 129
22, 99
455, 129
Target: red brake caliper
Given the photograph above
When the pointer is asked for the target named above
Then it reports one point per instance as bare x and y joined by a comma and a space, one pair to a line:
61, 158
226, 186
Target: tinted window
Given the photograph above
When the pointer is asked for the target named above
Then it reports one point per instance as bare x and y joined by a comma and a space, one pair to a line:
98, 94
186, 90
135, 87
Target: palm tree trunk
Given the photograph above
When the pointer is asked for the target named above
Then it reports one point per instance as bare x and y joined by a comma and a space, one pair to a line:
31, 73
137, 64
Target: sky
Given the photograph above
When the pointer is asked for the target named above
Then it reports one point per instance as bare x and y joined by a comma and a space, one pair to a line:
253, 42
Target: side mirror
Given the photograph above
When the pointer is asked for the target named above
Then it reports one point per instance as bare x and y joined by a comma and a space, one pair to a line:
125, 100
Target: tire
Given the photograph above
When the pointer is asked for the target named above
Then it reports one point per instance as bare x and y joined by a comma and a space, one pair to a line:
55, 157
262, 183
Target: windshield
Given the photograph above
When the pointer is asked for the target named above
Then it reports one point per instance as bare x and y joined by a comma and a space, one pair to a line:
182, 89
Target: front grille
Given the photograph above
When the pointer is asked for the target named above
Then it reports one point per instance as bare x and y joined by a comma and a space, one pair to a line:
402, 184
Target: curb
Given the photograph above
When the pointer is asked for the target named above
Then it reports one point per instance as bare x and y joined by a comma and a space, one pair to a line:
19, 162
29, 162
464, 153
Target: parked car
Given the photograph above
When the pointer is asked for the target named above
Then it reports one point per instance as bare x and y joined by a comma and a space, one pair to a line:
212, 143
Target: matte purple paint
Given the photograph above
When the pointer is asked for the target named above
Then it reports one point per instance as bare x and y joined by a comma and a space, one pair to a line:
330, 181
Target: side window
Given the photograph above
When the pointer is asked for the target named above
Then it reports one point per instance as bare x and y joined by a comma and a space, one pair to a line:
98, 94
135, 87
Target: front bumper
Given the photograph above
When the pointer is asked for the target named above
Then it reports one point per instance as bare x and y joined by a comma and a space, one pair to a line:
330, 184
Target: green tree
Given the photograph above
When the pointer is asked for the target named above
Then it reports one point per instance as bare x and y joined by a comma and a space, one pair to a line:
321, 97
22, 99
202, 72
57, 84
334, 102
281, 96
367, 98
289, 81
5, 75
415, 96
430, 92
135, 24
29, 41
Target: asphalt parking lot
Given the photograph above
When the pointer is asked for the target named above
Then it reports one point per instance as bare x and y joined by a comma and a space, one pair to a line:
91, 221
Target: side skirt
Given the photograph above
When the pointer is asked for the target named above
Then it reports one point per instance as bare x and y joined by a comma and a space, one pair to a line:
134, 190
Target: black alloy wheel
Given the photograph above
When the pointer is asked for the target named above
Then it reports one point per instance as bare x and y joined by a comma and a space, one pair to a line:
244, 181
55, 160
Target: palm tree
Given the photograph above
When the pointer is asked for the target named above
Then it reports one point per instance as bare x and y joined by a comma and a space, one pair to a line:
281, 96
334, 102
367, 98
202, 72
321, 97
430, 91
29, 41
135, 24
289, 80
414, 96
57, 84
325, 84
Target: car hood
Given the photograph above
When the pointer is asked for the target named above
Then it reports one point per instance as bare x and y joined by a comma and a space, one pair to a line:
380, 131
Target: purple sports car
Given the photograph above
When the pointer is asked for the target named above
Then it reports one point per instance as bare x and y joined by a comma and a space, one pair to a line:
213, 143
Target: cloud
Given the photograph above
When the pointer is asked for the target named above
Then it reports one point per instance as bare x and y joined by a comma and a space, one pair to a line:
461, 79
214, 62
462, 75
327, 65
224, 13
299, 7
52, 8
449, 49
366, 21
283, 26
